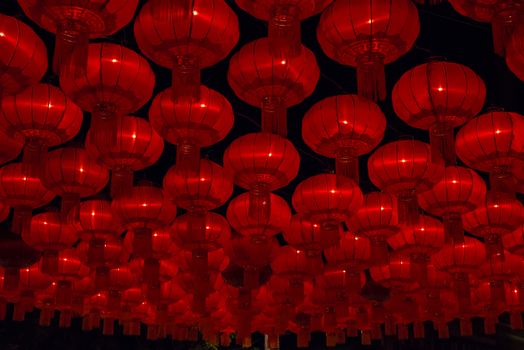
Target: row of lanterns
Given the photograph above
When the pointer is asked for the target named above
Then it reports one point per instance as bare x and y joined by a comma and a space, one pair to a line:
132, 259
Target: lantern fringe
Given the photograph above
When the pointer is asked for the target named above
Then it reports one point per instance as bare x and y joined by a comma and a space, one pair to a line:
419, 269
102, 278
49, 262
11, 278
443, 330
497, 292
105, 119
453, 229
151, 271
494, 247
408, 211
143, 242
379, 250
96, 251
71, 48
296, 289
442, 141
34, 157
199, 261
503, 25
109, 326
65, 318
21, 223
260, 203
516, 320
69, 206
121, 181
371, 77
284, 32
346, 165
274, 116
185, 81
251, 278
188, 159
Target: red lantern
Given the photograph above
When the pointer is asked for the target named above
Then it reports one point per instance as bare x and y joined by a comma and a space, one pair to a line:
118, 81
503, 15
291, 264
395, 275
404, 169
191, 125
514, 52
460, 191
50, 235
207, 190
162, 248
32, 280
23, 56
325, 202
251, 256
258, 226
43, 117
261, 163
137, 146
377, 220
497, 217
353, 255
96, 224
439, 96
74, 23
497, 272
514, 241
492, 143
72, 174
144, 208
186, 37
200, 234
419, 242
344, 127
274, 84
284, 21
367, 35
22, 192
305, 235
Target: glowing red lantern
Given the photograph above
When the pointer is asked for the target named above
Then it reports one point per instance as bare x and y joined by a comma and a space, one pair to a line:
75, 23
23, 56
137, 146
142, 209
261, 163
326, 201
200, 234
497, 217
96, 224
72, 174
50, 235
191, 125
461, 190
117, 81
162, 248
344, 127
377, 220
251, 256
368, 35
23, 192
492, 143
439, 96
284, 21
42, 116
419, 242
404, 169
204, 34
353, 255
291, 264
514, 53
503, 15
306, 235
274, 84
32, 280
498, 272
240, 219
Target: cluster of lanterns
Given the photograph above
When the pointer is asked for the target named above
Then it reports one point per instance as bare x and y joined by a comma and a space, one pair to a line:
128, 258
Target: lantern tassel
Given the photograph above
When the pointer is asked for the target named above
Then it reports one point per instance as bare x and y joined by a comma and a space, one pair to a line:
151, 271
494, 247
71, 48
96, 251
109, 326
284, 32
65, 318
200, 263
497, 292
102, 278
21, 223
121, 181
50, 262
274, 116
379, 250
64, 293
34, 157
105, 121
442, 141
188, 158
346, 166
69, 206
443, 330
251, 277
371, 77
260, 203
296, 289
186, 79
408, 212
418, 269
143, 242
453, 229
46, 315
503, 25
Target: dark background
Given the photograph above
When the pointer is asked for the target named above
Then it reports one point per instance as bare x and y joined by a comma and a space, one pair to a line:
443, 33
